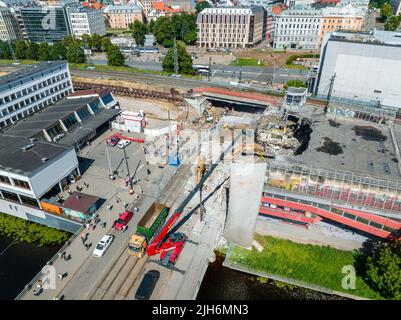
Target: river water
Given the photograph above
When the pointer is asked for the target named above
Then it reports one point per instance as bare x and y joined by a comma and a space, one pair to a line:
221, 283
19, 263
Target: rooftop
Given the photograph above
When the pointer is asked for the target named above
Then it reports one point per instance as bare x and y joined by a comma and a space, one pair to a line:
47, 117
28, 74
14, 159
349, 145
374, 37
80, 202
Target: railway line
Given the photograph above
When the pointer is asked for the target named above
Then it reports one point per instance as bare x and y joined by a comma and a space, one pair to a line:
118, 282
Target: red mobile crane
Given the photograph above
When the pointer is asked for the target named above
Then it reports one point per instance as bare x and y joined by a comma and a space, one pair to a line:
169, 243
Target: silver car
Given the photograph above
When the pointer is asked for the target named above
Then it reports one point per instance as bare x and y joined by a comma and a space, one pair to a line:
103, 245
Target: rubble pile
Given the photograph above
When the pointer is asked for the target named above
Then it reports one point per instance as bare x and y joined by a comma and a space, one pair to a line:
274, 133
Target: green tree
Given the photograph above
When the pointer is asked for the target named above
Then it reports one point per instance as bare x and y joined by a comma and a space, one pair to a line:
138, 32
20, 49
184, 60
87, 40
75, 53
32, 51
386, 11
392, 23
383, 270
58, 51
68, 40
202, 5
5, 52
294, 83
114, 56
96, 42
44, 51
106, 43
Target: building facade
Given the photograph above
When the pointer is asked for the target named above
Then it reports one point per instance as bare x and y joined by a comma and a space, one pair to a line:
230, 27
46, 24
160, 9
271, 20
29, 90
86, 21
341, 18
120, 17
9, 29
361, 66
298, 27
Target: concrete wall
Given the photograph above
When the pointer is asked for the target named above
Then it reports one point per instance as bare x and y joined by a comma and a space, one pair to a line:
42, 181
363, 71
38, 216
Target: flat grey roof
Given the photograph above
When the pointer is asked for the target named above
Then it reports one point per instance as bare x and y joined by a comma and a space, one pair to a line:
349, 145
48, 117
29, 73
14, 159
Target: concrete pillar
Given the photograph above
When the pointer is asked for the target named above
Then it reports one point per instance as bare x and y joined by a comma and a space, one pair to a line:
90, 110
47, 136
77, 117
60, 186
63, 125
79, 172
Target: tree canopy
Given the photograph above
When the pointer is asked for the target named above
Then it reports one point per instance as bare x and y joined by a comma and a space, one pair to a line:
184, 60
114, 56
182, 26
202, 5
386, 11
294, 83
383, 269
75, 53
138, 32
392, 23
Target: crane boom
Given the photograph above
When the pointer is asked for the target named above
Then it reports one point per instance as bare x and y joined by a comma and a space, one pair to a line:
154, 247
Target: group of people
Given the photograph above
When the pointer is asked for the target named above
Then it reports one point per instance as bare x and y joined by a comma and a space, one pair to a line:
64, 256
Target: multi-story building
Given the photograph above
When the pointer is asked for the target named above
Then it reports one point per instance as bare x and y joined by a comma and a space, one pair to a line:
46, 24
396, 4
341, 18
31, 89
298, 28
120, 17
9, 29
160, 9
361, 66
230, 27
292, 3
86, 21
272, 13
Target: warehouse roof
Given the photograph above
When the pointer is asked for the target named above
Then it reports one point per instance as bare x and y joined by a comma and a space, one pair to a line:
14, 159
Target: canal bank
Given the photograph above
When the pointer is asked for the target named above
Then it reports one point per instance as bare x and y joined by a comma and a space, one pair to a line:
19, 263
222, 283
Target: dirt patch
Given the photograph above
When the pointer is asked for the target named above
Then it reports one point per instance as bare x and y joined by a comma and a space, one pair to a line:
334, 123
330, 147
369, 133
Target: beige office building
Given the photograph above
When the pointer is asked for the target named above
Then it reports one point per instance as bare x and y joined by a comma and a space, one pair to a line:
229, 27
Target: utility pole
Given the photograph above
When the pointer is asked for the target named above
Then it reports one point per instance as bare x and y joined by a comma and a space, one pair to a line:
240, 74
330, 91
108, 160
175, 56
210, 70
129, 175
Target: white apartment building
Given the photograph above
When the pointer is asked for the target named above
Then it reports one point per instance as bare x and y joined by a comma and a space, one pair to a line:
298, 28
86, 21
31, 89
230, 27
9, 29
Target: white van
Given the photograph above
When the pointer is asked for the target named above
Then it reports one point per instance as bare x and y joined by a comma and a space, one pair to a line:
123, 143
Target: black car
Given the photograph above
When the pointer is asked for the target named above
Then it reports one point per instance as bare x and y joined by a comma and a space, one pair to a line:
147, 285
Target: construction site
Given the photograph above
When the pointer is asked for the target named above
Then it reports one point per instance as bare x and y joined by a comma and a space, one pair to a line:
227, 164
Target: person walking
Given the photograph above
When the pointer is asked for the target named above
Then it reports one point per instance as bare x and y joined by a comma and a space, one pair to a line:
60, 276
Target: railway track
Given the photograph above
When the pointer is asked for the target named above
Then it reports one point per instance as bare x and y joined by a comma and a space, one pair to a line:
119, 280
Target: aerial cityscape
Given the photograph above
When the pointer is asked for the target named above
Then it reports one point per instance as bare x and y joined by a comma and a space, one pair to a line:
200, 150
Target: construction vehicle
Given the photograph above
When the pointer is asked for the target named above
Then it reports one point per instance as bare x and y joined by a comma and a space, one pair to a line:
121, 137
168, 242
146, 229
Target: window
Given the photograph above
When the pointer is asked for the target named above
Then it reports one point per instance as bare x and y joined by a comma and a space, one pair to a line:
375, 225
10, 196
4, 179
21, 184
29, 201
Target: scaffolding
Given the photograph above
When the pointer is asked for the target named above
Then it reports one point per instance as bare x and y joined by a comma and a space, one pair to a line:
349, 188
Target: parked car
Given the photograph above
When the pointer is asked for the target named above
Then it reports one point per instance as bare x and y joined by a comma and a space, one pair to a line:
147, 285
123, 220
123, 143
113, 140
103, 245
